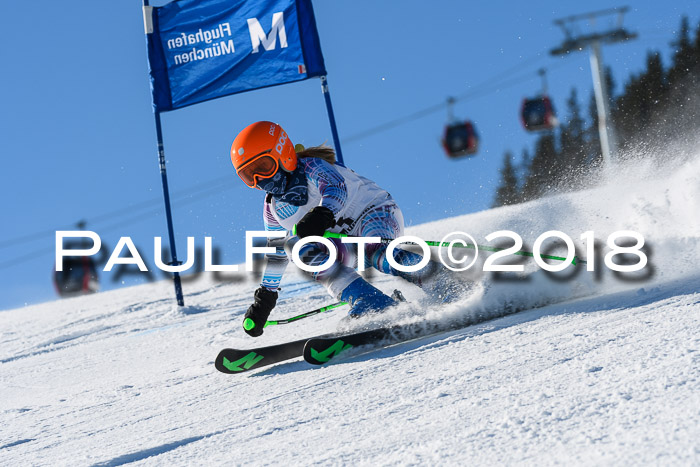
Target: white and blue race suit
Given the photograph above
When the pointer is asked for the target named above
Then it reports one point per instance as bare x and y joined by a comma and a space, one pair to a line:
361, 208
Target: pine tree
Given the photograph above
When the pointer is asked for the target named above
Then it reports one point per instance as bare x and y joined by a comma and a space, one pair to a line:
683, 78
524, 166
572, 139
508, 192
654, 85
683, 56
652, 97
696, 46
639, 103
543, 170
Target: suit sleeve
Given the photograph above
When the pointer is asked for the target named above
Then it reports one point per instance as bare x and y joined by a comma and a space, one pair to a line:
275, 263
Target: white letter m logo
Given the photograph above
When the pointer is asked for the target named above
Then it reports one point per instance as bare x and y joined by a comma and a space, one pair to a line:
257, 35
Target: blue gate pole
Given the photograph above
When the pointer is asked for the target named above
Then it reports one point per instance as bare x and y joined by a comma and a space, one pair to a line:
331, 119
168, 213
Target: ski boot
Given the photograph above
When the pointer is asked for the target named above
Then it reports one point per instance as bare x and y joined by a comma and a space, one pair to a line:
364, 298
440, 284
443, 286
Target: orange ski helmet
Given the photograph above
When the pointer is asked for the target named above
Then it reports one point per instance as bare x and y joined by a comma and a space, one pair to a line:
260, 150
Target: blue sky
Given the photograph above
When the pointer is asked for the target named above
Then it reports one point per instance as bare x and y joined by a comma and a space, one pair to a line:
78, 139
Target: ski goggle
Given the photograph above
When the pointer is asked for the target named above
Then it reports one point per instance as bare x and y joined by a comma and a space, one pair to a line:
260, 167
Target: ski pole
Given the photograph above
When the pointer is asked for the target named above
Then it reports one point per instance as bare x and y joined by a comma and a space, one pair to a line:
386, 241
249, 324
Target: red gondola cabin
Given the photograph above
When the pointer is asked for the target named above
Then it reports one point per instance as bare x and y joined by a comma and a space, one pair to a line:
538, 114
79, 277
460, 139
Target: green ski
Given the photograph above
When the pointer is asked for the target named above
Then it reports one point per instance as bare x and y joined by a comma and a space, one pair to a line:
320, 350
233, 361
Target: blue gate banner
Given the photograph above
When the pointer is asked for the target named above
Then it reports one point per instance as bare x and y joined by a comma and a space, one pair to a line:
204, 49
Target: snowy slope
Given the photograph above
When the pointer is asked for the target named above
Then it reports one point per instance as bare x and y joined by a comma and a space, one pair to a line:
609, 375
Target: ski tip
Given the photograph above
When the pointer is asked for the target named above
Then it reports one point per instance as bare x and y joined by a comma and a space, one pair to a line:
232, 361
219, 361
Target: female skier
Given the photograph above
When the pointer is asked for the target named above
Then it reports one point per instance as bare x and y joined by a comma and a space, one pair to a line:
306, 188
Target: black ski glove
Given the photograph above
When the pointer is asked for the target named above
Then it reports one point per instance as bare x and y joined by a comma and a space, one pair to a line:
315, 222
259, 311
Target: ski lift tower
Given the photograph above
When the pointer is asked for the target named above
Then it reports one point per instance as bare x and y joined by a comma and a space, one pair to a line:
576, 42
